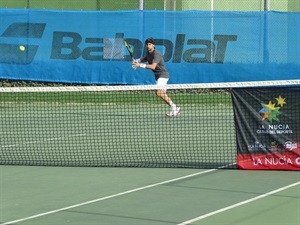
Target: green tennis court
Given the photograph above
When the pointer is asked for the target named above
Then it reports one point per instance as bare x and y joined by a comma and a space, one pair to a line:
160, 196
107, 154
94, 138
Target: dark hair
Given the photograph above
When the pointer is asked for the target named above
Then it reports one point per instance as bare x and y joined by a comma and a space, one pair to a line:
149, 40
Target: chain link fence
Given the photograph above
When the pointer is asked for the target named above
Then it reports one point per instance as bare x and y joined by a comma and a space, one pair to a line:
175, 5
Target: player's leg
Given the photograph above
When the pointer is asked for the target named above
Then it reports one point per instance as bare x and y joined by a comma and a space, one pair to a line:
162, 93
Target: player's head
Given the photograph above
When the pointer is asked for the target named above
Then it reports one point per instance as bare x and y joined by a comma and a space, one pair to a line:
150, 40
150, 44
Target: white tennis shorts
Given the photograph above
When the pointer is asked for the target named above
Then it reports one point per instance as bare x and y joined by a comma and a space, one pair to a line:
162, 82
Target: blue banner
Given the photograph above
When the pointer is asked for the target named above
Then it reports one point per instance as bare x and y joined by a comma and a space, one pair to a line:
198, 46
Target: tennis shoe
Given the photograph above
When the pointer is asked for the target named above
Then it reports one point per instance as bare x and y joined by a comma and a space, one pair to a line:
174, 112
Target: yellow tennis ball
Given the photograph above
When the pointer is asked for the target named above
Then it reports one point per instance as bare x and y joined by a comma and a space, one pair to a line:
22, 48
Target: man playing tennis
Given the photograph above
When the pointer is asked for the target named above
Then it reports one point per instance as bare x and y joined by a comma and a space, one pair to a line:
157, 65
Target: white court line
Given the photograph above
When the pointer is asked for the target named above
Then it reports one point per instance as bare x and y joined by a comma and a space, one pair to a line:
238, 204
109, 197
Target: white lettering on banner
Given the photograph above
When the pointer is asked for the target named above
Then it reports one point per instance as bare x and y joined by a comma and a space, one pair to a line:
278, 161
275, 161
284, 132
257, 146
274, 129
257, 162
289, 145
279, 127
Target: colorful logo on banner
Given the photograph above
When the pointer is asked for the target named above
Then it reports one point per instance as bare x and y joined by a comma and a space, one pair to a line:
271, 111
273, 140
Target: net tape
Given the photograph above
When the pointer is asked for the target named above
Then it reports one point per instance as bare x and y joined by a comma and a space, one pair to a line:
151, 87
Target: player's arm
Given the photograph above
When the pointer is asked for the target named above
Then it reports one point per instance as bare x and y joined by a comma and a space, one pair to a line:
136, 65
140, 64
144, 59
155, 61
140, 60
151, 66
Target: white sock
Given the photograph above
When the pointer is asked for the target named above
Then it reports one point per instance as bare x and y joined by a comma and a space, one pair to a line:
173, 106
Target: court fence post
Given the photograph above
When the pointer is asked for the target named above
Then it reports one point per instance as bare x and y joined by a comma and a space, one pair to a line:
141, 4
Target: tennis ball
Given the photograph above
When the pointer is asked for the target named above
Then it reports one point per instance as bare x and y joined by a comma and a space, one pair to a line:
22, 48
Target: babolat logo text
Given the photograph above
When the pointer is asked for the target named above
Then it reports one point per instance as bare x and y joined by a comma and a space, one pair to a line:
72, 45
23, 32
68, 46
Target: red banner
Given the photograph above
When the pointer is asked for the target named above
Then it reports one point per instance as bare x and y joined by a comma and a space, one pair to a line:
284, 161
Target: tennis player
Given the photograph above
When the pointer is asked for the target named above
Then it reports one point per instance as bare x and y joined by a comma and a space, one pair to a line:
157, 65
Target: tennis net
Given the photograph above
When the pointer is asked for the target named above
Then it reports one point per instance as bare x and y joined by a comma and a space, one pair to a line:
118, 126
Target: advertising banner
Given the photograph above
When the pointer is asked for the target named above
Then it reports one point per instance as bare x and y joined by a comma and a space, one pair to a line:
267, 127
198, 46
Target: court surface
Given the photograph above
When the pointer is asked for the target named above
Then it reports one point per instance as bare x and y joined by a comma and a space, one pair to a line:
147, 196
44, 131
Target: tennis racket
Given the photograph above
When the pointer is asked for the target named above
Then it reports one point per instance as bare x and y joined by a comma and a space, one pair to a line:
129, 49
